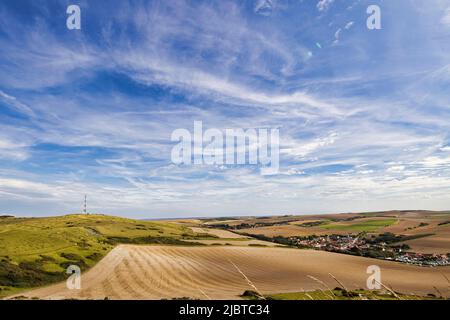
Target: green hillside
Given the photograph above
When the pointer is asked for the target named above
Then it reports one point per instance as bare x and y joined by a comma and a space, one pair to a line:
37, 251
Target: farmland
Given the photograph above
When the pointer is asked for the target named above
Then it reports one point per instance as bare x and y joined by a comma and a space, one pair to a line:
431, 228
166, 272
366, 225
37, 251
219, 258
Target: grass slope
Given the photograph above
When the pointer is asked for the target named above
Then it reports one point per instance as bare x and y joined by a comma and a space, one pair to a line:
37, 251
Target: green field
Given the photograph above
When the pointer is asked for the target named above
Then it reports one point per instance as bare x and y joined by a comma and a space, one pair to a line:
37, 251
360, 226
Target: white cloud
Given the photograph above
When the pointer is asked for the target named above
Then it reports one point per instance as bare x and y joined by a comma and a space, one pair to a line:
12, 149
337, 35
446, 18
396, 169
435, 161
324, 5
16, 104
301, 149
349, 25
151, 71
390, 148
41, 60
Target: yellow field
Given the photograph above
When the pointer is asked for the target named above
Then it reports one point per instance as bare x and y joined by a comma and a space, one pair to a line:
156, 272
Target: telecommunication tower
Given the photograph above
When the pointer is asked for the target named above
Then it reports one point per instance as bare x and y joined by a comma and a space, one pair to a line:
85, 205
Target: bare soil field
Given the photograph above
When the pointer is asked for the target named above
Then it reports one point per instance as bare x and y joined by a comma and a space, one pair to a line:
433, 244
402, 226
218, 233
157, 272
438, 242
238, 242
288, 230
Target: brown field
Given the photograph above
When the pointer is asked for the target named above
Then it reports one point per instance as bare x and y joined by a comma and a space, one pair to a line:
432, 244
218, 233
228, 238
401, 227
238, 242
291, 230
439, 242
156, 272
288, 230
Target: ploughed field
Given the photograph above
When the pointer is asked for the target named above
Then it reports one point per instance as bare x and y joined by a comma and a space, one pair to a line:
37, 251
205, 272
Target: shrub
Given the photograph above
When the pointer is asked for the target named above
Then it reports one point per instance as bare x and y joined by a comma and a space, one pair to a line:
26, 274
251, 294
70, 256
94, 256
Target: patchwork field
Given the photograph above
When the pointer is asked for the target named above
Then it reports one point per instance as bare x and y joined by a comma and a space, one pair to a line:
227, 238
361, 225
159, 272
210, 258
284, 231
432, 227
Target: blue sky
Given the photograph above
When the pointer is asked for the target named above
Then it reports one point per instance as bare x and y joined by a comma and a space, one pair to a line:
363, 114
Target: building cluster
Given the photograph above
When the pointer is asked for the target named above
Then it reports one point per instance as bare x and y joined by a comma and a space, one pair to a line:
333, 243
361, 246
433, 260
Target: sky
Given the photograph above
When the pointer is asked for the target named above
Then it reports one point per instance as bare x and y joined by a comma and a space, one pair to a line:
363, 115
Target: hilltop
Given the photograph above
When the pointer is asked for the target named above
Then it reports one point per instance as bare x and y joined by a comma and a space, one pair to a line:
37, 251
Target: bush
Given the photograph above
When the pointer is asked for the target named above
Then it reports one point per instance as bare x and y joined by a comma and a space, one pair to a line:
94, 256
150, 240
70, 256
74, 259
80, 263
26, 274
251, 294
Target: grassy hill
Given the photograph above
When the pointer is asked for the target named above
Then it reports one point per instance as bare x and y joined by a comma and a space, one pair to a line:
37, 251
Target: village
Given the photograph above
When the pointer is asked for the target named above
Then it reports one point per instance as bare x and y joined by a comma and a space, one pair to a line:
373, 248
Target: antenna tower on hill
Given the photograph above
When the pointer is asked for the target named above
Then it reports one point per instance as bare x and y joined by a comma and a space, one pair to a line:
85, 205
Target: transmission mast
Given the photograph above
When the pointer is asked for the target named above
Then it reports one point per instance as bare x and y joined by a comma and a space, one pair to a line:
85, 205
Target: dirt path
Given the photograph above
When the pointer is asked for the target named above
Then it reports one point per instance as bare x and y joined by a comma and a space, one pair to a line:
156, 272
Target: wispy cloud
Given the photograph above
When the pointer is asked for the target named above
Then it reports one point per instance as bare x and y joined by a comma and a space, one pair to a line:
362, 116
323, 5
446, 18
